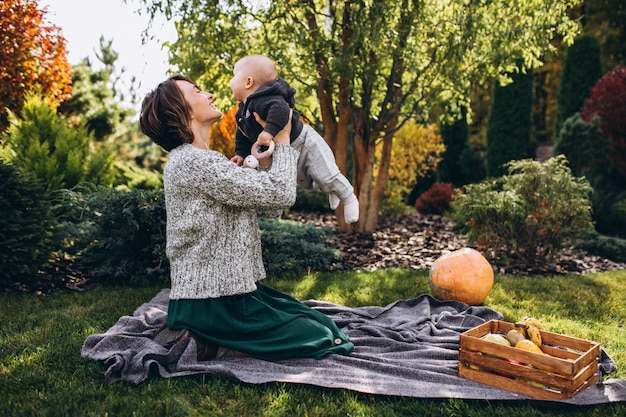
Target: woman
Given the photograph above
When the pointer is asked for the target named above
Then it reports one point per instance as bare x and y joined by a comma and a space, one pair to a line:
213, 237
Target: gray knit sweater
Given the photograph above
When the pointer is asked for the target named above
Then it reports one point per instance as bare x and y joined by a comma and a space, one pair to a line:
213, 237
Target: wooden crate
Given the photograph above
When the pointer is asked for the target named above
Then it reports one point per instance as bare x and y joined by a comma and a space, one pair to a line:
569, 366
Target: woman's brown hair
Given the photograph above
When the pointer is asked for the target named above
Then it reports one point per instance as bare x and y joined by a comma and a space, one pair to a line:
166, 116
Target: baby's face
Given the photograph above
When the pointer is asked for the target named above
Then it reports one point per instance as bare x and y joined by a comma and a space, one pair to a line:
238, 82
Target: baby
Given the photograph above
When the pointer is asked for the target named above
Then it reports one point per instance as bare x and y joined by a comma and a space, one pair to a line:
257, 88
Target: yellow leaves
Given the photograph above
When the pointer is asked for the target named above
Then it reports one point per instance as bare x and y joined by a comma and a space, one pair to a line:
416, 150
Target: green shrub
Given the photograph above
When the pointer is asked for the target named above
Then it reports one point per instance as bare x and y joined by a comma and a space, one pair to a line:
60, 155
436, 200
582, 68
120, 234
291, 248
509, 125
311, 201
524, 217
587, 150
26, 225
585, 147
610, 212
456, 138
605, 246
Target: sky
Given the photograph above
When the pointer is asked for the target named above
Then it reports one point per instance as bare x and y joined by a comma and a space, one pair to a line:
84, 21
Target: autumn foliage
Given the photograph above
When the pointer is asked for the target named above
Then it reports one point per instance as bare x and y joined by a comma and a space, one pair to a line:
32, 55
436, 200
608, 101
416, 150
223, 134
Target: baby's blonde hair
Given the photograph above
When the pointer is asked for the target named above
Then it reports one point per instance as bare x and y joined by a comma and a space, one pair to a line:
259, 67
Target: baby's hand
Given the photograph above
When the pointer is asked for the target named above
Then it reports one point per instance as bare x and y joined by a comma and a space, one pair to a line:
237, 160
265, 139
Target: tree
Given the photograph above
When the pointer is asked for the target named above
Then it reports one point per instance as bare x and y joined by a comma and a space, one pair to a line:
582, 67
456, 138
98, 103
95, 99
59, 155
606, 20
509, 127
32, 54
416, 150
608, 100
372, 65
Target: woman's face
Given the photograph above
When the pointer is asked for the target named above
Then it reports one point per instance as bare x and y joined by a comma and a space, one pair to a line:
202, 108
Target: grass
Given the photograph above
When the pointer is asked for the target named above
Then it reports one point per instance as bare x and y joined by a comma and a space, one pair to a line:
42, 373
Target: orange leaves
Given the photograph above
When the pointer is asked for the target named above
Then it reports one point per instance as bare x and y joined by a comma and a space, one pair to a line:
32, 55
223, 134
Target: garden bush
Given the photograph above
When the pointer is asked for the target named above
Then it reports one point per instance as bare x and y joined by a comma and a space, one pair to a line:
61, 156
127, 242
510, 124
587, 150
608, 101
582, 68
311, 201
26, 225
436, 200
120, 235
456, 138
524, 217
609, 247
291, 248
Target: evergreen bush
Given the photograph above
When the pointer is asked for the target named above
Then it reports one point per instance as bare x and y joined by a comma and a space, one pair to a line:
128, 241
61, 156
311, 201
456, 139
290, 248
509, 125
608, 101
582, 68
609, 247
585, 147
120, 235
26, 225
588, 150
524, 217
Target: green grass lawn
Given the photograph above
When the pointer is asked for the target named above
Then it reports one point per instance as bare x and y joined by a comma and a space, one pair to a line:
43, 374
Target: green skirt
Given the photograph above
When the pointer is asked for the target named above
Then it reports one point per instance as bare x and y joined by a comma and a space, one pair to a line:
265, 323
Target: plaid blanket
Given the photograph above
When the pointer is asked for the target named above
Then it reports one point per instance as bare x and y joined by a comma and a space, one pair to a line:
407, 348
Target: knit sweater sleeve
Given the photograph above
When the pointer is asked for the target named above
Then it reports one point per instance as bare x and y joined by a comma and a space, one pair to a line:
222, 181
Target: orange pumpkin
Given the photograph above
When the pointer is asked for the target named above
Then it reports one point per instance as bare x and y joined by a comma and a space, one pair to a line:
463, 275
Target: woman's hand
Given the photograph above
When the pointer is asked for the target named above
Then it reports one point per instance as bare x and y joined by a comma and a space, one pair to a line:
281, 137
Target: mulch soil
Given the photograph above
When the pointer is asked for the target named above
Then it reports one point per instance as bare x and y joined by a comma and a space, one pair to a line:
406, 241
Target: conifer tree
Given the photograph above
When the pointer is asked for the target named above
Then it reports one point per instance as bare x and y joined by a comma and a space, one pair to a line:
455, 138
510, 125
582, 68
61, 156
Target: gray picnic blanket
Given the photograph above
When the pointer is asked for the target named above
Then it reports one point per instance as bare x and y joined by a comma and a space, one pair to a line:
407, 348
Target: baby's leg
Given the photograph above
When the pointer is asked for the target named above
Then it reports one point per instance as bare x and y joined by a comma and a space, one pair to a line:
316, 164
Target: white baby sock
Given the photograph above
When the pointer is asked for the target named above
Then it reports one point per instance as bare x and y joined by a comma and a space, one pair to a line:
334, 201
351, 209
